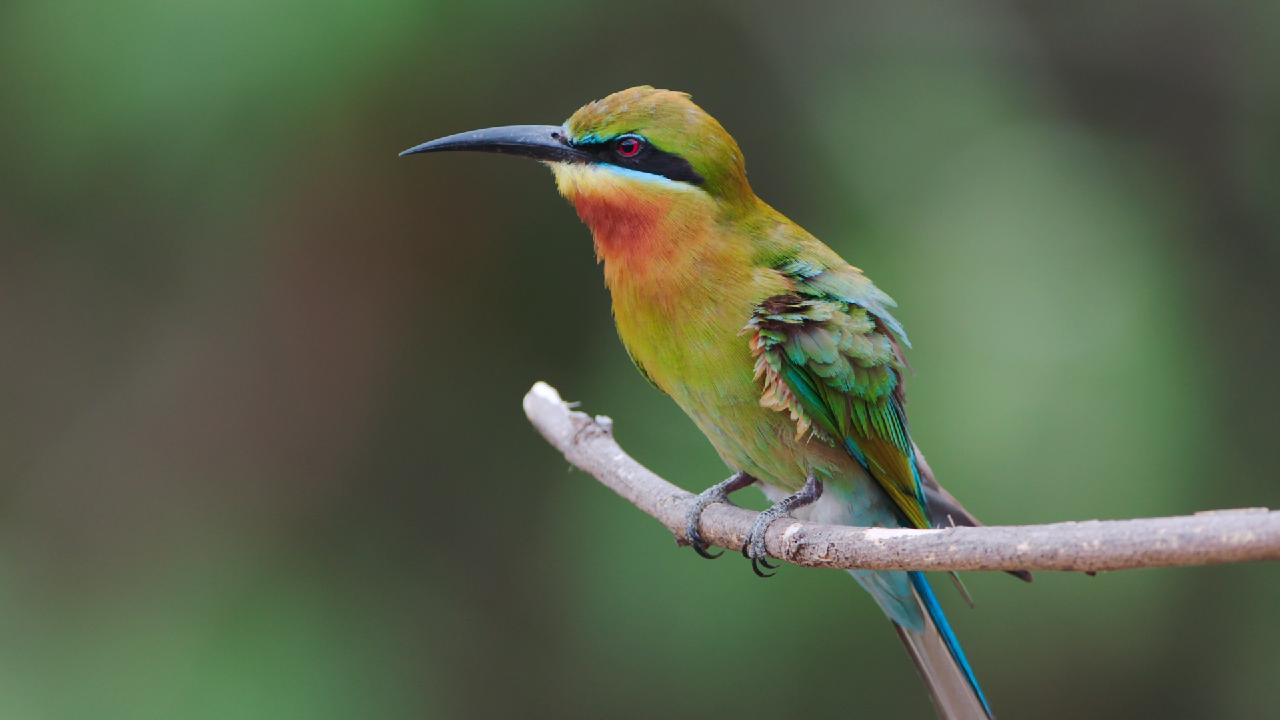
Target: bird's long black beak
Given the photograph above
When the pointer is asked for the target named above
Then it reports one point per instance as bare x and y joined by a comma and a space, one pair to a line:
540, 142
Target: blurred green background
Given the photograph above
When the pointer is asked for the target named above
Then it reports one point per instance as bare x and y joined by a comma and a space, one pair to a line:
263, 454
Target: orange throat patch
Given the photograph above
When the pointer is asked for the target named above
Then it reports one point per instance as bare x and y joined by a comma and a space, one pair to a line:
626, 229
638, 225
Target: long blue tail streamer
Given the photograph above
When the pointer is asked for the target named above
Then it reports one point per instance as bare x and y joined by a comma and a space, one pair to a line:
931, 605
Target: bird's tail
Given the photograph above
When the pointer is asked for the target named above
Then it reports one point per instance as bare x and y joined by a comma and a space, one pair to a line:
943, 667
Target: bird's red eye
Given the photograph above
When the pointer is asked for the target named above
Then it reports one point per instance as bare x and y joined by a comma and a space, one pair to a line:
628, 146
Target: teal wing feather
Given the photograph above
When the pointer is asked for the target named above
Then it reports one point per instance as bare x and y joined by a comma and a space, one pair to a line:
829, 353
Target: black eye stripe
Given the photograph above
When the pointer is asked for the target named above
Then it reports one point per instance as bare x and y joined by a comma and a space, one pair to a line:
649, 159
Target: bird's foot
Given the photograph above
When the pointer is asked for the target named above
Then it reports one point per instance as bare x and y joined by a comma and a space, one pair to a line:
754, 548
718, 493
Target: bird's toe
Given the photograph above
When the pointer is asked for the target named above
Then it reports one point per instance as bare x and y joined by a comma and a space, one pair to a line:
692, 533
754, 548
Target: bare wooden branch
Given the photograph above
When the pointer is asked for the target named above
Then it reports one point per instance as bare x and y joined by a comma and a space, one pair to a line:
1221, 536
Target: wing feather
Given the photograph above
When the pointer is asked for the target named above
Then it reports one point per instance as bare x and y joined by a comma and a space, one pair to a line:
829, 354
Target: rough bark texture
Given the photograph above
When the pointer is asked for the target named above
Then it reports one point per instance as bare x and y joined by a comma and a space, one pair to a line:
1220, 536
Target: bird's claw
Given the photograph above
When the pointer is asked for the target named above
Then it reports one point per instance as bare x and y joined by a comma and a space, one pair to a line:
691, 530
754, 548
714, 494
700, 547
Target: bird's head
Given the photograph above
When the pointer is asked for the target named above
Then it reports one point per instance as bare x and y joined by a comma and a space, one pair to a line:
659, 136
634, 144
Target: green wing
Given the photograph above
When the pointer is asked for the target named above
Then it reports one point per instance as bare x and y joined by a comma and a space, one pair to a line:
829, 353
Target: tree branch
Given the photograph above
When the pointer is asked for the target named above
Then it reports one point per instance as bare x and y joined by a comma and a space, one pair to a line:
1221, 536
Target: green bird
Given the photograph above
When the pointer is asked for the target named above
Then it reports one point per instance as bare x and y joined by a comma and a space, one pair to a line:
784, 355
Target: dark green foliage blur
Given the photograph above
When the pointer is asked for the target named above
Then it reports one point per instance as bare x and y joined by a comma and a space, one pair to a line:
261, 446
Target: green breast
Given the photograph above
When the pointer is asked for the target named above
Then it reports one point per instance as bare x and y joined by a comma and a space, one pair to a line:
689, 343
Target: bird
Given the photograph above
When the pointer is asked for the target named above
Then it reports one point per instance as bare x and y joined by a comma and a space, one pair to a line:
785, 356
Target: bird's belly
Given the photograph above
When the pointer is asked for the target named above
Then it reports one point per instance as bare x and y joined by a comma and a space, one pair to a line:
693, 349
852, 499
762, 442
714, 384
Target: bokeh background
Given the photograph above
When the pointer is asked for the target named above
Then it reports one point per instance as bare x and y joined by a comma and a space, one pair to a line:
261, 446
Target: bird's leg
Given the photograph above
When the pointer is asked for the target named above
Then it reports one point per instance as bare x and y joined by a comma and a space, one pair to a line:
718, 493
754, 549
